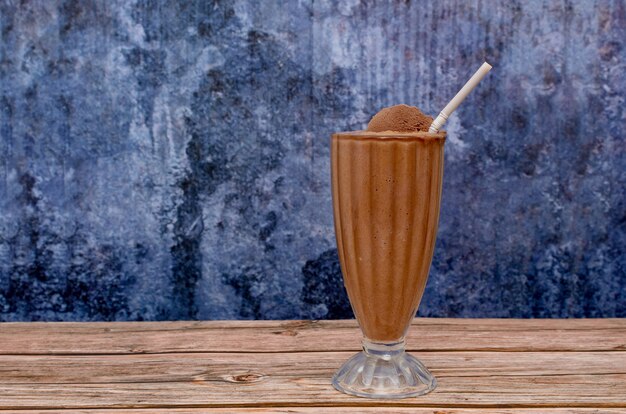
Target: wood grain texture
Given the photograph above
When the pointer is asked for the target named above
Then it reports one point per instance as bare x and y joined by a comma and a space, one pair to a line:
239, 367
425, 335
481, 379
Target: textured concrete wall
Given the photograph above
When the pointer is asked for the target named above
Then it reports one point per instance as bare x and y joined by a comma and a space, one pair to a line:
170, 160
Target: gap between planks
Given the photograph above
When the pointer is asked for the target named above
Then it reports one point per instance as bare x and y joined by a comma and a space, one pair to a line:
334, 410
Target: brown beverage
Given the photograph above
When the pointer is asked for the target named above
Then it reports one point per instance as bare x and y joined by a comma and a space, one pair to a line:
386, 185
386, 195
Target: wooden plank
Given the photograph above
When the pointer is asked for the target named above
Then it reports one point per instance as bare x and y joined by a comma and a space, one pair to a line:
311, 393
223, 366
425, 335
466, 380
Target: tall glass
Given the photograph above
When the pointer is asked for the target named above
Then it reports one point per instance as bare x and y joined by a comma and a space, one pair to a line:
386, 196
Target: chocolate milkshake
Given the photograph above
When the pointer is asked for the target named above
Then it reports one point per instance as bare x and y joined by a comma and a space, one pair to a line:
386, 184
386, 194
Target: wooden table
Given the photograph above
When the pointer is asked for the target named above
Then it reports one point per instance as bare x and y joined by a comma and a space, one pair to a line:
482, 366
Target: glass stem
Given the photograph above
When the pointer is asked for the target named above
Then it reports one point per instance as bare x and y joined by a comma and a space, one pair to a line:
384, 350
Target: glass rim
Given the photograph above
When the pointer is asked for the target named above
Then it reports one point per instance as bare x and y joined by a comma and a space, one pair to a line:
390, 135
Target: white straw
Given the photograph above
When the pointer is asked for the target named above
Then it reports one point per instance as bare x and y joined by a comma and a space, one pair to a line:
459, 97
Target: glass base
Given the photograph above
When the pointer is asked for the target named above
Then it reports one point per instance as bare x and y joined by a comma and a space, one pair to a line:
384, 371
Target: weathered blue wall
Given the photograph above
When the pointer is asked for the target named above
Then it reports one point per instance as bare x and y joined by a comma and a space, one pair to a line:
170, 160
